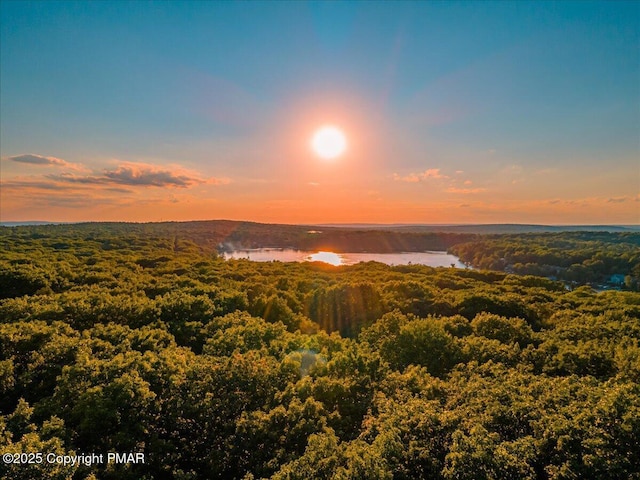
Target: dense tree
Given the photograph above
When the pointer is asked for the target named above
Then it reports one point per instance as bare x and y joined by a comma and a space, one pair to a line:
139, 338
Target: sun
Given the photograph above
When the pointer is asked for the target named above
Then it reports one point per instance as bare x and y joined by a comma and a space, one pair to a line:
329, 142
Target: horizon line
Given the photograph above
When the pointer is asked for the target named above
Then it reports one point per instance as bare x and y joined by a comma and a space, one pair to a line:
326, 224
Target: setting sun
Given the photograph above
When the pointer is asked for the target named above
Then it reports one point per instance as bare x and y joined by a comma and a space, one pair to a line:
329, 142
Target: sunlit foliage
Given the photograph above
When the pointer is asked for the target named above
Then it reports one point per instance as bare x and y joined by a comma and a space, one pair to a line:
139, 338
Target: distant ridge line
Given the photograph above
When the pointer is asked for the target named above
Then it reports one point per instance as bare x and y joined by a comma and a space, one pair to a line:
488, 228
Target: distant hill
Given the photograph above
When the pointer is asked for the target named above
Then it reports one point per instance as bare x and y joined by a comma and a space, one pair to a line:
491, 228
32, 222
227, 235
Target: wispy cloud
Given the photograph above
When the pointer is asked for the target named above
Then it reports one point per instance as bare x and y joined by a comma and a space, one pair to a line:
594, 202
23, 184
465, 191
431, 173
140, 175
45, 194
45, 161
411, 178
125, 185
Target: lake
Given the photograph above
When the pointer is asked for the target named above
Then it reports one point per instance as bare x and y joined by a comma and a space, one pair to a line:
432, 259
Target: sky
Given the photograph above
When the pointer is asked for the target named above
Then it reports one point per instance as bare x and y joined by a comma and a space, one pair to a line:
453, 112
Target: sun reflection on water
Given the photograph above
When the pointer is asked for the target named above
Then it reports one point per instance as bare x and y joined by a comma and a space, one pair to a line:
326, 257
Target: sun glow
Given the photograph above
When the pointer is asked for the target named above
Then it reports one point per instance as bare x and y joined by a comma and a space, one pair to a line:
329, 142
326, 257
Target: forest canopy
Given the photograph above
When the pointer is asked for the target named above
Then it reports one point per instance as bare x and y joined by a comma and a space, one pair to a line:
140, 338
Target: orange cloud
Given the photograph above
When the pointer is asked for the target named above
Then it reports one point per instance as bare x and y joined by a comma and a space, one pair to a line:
420, 177
411, 178
128, 185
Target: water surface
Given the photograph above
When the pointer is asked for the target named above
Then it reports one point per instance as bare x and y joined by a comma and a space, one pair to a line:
430, 258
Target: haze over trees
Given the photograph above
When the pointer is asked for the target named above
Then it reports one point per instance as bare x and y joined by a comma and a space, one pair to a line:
139, 338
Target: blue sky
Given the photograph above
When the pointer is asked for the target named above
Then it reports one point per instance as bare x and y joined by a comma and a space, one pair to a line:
526, 112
